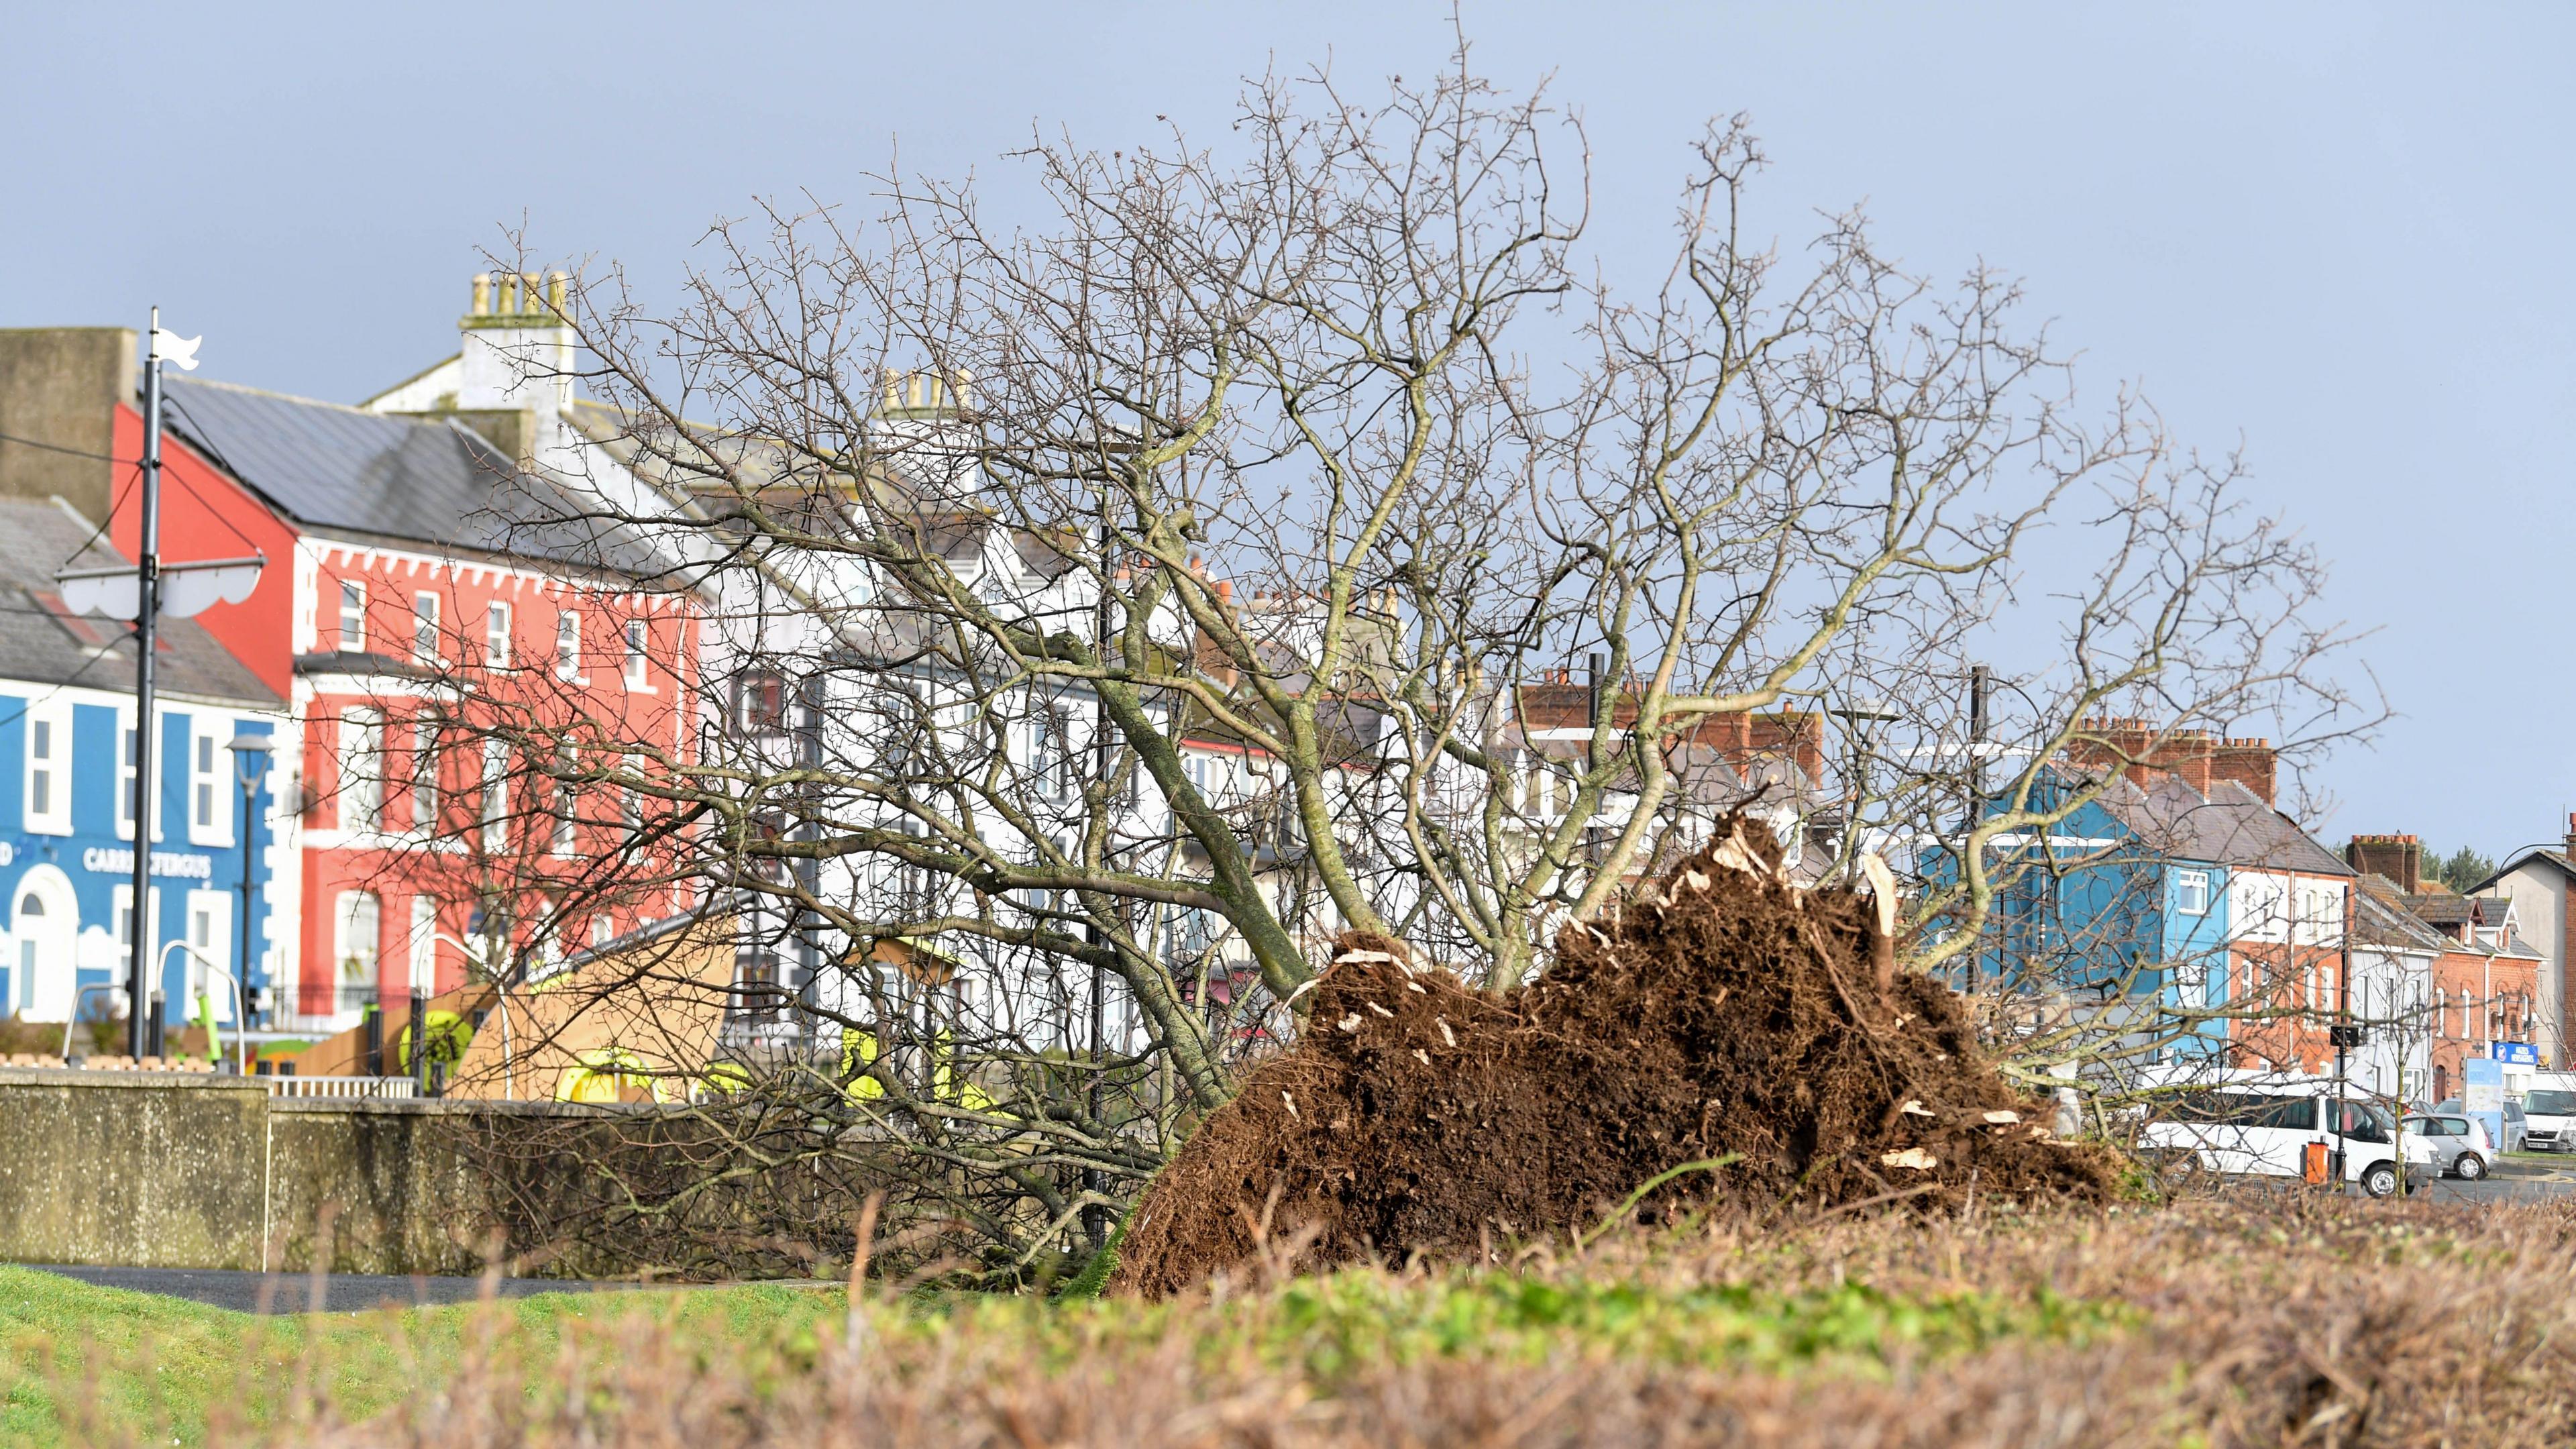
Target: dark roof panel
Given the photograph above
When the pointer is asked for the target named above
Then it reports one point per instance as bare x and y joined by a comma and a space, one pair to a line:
43, 643
341, 468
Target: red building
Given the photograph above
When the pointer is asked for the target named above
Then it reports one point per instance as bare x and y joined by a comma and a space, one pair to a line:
422, 586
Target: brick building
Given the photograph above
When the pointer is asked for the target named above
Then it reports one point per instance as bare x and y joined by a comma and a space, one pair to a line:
2485, 986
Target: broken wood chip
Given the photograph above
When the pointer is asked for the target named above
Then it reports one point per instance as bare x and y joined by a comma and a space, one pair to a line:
1362, 956
1422, 1056
1292, 1104
1694, 880
1914, 1108
1913, 1157
1380, 1010
1351, 1022
1998, 1119
1415, 986
1446, 1034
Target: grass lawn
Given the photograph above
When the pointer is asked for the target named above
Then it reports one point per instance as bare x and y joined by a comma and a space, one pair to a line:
86, 1363
2204, 1323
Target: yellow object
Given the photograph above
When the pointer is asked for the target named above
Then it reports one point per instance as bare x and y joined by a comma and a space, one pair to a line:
859, 1052
611, 1075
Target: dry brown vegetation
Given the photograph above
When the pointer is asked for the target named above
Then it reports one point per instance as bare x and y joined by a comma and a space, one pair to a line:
2268, 1320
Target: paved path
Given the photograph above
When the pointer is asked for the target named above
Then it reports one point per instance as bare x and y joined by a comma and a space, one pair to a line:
290, 1292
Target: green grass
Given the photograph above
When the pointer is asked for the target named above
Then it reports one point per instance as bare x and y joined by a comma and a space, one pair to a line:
83, 1363
143, 1364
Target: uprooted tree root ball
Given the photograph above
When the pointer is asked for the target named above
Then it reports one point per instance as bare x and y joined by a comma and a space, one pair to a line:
1722, 1012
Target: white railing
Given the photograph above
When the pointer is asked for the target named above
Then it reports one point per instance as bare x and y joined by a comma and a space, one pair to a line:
341, 1086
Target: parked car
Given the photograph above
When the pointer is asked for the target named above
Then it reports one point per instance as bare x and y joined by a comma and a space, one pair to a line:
2267, 1132
2549, 1105
2460, 1147
2517, 1127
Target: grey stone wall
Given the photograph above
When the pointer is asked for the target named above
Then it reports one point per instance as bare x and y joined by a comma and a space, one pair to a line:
60, 385
199, 1171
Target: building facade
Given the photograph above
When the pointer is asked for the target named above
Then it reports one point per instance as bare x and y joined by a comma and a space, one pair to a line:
67, 805
422, 598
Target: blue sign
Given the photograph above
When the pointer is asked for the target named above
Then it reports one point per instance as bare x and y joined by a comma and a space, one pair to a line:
2482, 1096
2514, 1053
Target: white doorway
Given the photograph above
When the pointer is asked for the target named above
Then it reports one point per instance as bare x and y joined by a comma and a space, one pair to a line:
44, 922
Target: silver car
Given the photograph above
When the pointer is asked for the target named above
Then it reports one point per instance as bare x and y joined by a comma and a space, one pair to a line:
2516, 1125
2459, 1144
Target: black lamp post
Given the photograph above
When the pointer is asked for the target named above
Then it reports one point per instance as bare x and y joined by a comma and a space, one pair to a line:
250, 766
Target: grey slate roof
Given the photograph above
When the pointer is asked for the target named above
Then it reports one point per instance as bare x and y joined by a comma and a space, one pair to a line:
42, 643
2380, 918
334, 468
2557, 858
2229, 826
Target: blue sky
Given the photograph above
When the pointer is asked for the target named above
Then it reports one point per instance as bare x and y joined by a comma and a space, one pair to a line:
2331, 234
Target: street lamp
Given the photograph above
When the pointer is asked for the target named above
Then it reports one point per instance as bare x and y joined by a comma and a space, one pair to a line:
501, 1003
241, 1003
250, 766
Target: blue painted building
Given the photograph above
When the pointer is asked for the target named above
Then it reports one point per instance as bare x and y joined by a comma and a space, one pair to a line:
66, 797
2146, 896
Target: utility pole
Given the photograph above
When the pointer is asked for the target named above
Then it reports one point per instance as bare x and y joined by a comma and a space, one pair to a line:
1981, 688
1095, 1220
138, 916
137, 593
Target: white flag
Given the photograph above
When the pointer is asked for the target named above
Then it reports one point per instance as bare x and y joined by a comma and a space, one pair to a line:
171, 347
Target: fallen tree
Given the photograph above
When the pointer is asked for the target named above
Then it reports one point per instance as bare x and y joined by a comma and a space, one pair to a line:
1724, 1019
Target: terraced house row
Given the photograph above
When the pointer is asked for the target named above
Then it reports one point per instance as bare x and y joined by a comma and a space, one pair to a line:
418, 579
463, 605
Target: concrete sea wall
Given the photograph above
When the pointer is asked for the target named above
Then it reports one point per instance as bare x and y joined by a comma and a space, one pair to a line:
199, 1171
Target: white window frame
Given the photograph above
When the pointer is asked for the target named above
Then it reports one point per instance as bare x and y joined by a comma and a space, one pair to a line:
125, 780
120, 903
2190, 885
423, 964
496, 795
568, 645
564, 832
496, 634
344, 909
424, 628
214, 908
630, 803
210, 790
361, 762
53, 718
424, 774
353, 616
639, 640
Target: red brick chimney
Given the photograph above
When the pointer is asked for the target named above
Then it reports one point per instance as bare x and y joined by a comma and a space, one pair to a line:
2398, 857
2196, 757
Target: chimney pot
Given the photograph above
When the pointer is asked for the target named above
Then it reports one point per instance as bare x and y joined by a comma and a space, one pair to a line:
482, 295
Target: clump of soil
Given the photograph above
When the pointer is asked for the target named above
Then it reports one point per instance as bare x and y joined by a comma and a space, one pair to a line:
1722, 1011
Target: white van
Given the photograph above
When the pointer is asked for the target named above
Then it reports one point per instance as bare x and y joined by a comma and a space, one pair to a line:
2549, 1112
2266, 1130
